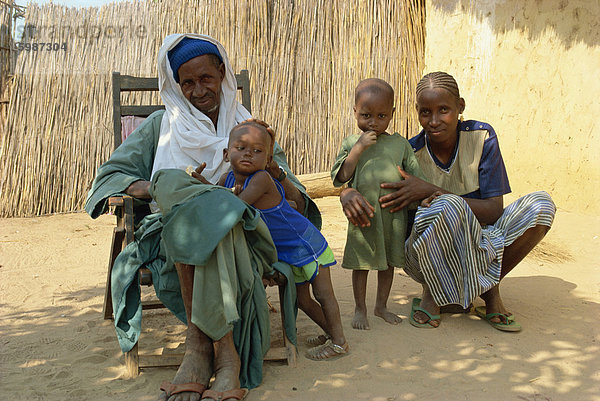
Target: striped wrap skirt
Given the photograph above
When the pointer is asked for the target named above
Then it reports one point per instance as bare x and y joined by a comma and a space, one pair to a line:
459, 259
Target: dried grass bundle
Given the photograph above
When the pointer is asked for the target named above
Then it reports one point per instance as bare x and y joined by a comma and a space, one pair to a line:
304, 56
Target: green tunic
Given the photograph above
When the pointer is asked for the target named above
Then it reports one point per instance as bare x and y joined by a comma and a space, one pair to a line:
203, 225
380, 245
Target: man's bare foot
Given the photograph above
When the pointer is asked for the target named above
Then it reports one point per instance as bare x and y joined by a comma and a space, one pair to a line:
196, 366
388, 316
227, 366
193, 369
360, 321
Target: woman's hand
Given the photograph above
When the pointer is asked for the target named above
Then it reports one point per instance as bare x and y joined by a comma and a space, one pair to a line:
407, 191
356, 208
427, 201
197, 174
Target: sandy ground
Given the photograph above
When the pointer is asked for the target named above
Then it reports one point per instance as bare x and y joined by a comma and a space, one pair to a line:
55, 345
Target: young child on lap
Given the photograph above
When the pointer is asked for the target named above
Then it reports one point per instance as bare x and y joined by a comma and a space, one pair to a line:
365, 161
299, 243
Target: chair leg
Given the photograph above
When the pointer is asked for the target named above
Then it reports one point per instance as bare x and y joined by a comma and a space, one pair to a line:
132, 361
290, 347
115, 249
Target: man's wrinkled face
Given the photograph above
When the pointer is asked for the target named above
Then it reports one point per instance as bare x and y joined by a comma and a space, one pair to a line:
200, 81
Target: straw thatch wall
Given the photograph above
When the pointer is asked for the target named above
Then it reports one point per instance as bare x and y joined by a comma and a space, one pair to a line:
6, 13
304, 58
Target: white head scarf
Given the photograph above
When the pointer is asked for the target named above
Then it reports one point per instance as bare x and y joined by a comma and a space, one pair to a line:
187, 136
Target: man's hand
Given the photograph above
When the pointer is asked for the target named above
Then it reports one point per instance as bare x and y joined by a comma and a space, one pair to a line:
356, 208
237, 189
273, 279
407, 191
139, 189
197, 174
273, 169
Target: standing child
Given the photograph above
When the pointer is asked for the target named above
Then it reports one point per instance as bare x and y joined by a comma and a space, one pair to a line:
364, 162
299, 243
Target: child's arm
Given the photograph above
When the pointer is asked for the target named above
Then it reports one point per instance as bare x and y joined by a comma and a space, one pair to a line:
260, 186
349, 165
222, 180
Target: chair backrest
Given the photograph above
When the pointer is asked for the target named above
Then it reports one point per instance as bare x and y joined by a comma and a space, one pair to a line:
128, 83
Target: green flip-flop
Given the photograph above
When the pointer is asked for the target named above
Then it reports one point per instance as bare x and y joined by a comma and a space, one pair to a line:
416, 302
509, 323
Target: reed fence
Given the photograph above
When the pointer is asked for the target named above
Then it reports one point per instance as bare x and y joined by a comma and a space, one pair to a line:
304, 56
8, 10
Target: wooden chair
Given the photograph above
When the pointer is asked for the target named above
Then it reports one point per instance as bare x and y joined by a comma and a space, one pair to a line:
127, 216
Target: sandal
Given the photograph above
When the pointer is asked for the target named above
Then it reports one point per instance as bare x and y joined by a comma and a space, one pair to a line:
416, 302
234, 394
481, 312
327, 351
317, 340
171, 388
506, 323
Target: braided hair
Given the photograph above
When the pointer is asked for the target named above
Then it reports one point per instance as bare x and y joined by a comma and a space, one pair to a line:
438, 79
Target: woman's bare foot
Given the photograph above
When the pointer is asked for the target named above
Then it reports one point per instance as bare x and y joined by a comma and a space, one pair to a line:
360, 321
388, 316
227, 366
493, 304
430, 306
196, 366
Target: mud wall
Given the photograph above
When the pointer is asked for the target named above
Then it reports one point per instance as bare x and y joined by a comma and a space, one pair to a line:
531, 69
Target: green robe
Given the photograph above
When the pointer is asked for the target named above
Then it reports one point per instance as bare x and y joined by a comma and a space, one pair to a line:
222, 240
381, 244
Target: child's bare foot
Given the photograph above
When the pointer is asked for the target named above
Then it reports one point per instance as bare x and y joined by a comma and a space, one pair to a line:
360, 321
388, 316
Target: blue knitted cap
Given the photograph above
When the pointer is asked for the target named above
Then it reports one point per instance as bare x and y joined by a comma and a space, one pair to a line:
186, 50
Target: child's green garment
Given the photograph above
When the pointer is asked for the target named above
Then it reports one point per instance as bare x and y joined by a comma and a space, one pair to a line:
382, 244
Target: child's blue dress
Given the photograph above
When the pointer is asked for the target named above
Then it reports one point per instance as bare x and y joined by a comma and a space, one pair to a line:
299, 243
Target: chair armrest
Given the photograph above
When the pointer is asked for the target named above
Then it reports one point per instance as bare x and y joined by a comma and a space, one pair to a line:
125, 215
117, 200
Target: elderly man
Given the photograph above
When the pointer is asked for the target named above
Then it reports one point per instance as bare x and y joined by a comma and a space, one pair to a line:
207, 250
